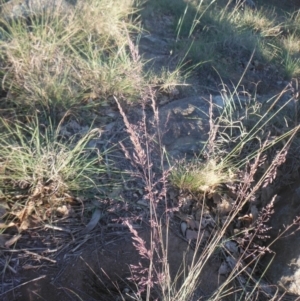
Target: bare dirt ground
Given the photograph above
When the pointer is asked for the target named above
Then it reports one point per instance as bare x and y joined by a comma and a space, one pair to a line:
91, 272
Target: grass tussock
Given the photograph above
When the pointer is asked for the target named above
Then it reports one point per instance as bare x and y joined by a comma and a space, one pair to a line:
63, 57
37, 156
202, 177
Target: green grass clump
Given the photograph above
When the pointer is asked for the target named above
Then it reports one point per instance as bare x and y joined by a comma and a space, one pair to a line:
238, 134
60, 58
35, 156
202, 177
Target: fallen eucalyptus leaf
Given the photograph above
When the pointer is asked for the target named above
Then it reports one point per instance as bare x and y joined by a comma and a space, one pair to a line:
254, 212
224, 269
24, 225
194, 225
183, 228
231, 262
93, 222
4, 226
12, 240
232, 247
191, 234
26, 211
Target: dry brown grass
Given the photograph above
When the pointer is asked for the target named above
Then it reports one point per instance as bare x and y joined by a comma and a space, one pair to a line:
202, 180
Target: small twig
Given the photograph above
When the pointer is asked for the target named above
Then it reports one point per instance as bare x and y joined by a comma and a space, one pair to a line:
40, 256
47, 226
123, 226
33, 249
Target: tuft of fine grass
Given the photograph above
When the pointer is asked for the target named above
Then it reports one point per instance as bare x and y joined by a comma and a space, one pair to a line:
203, 177
61, 58
291, 65
36, 157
